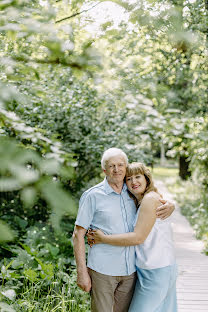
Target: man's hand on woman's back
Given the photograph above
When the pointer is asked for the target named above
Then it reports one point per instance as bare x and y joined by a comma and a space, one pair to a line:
165, 210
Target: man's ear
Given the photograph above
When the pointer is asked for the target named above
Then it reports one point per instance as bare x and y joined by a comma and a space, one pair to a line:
104, 171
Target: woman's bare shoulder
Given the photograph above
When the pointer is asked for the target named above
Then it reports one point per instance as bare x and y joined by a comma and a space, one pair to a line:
152, 196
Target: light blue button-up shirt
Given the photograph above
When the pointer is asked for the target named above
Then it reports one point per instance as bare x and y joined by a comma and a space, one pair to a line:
101, 207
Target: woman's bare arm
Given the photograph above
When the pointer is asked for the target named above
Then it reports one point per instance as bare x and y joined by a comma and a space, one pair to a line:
145, 222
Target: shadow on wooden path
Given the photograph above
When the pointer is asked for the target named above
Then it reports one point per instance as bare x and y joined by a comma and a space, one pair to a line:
192, 282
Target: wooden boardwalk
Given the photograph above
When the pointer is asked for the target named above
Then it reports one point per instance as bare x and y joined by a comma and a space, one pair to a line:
192, 282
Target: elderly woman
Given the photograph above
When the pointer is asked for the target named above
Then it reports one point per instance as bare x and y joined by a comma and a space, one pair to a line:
155, 257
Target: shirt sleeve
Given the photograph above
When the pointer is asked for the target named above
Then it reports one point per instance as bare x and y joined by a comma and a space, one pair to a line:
86, 211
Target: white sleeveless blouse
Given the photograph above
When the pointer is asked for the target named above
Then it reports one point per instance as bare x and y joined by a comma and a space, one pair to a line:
158, 250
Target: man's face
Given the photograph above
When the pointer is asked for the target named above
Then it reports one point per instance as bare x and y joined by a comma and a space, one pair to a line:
115, 169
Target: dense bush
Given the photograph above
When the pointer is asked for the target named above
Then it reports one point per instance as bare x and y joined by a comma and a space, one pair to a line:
39, 276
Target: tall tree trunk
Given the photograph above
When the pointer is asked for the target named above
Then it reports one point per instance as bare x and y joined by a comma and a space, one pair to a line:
184, 172
162, 154
206, 7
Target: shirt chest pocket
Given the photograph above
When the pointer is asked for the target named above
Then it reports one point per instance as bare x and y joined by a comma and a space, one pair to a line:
105, 216
108, 214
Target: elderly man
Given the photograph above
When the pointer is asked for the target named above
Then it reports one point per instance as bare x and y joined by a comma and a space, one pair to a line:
110, 270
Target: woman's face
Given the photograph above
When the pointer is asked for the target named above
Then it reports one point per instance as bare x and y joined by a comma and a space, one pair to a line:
136, 184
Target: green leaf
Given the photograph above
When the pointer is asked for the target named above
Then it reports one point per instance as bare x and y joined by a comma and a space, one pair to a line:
29, 250
53, 249
50, 166
9, 184
6, 234
6, 3
21, 222
67, 172
6, 307
58, 199
125, 4
17, 264
47, 269
9, 293
29, 196
31, 275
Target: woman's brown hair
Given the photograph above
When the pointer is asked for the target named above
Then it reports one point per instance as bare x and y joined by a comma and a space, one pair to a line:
139, 168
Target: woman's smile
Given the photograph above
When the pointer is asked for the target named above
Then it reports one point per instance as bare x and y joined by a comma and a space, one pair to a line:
136, 184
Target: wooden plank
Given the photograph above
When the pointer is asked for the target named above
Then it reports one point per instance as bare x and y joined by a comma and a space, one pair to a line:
197, 306
192, 296
191, 309
192, 290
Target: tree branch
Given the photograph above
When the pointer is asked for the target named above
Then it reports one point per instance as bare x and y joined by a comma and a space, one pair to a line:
77, 13
45, 61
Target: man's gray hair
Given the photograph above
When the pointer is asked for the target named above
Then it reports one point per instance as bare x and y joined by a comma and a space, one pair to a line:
111, 152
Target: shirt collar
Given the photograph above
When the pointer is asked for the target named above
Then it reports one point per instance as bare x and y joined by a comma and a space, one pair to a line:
109, 189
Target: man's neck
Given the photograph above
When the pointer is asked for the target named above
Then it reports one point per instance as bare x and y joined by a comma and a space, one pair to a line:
117, 187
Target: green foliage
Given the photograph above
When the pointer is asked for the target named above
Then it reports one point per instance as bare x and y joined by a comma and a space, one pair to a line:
199, 159
5, 233
24, 170
66, 95
40, 275
33, 26
193, 204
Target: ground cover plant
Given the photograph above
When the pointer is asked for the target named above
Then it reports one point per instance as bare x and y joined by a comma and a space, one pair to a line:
39, 274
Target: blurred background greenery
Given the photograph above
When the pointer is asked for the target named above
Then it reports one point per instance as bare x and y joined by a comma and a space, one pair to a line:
78, 77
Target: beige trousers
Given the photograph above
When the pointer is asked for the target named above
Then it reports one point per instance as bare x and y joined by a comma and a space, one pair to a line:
111, 293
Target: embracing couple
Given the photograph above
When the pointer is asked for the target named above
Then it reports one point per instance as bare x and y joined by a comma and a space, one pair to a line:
131, 263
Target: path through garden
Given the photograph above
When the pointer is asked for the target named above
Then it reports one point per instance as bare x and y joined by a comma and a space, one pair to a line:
192, 283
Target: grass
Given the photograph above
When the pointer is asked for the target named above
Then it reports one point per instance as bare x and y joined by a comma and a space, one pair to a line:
57, 296
163, 173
